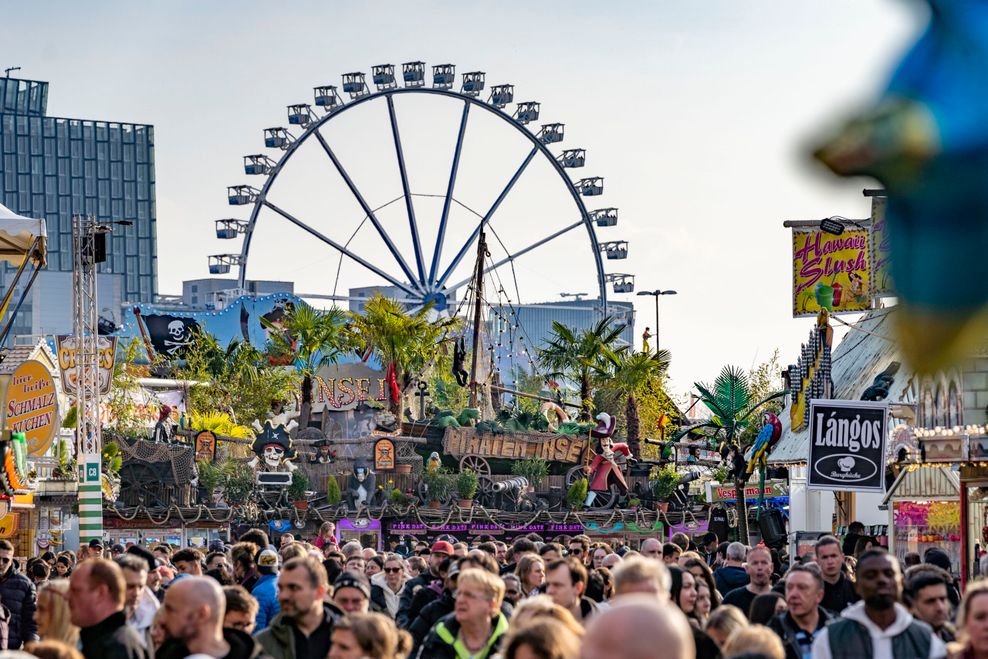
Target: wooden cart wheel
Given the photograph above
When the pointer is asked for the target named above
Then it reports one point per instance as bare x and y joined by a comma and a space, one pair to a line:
605, 500
477, 464
574, 474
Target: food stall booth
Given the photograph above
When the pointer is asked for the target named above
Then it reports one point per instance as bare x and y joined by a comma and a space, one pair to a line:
925, 512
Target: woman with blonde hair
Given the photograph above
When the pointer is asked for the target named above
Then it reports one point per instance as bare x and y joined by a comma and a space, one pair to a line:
724, 621
372, 635
972, 624
326, 535
754, 639
531, 571
542, 607
542, 638
53, 615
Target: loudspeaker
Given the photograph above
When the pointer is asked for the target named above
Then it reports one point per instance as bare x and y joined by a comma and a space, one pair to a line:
773, 528
99, 248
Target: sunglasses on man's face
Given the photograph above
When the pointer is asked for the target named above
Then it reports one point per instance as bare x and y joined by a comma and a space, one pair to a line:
4, 560
576, 550
392, 570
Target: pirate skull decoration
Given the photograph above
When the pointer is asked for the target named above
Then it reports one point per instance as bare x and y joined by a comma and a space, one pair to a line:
179, 337
273, 448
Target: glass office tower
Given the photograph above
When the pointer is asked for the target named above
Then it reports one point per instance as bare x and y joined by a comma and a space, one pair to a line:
54, 167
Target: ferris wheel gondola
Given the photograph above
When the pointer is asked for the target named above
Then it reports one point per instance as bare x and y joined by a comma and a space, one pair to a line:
426, 269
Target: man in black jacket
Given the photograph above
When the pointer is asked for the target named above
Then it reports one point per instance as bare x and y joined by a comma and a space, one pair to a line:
97, 591
193, 616
838, 590
18, 594
804, 618
441, 550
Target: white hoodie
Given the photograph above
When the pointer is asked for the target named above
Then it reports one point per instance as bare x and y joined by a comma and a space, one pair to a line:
881, 639
391, 598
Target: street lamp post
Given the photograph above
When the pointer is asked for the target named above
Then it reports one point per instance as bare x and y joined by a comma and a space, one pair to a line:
656, 293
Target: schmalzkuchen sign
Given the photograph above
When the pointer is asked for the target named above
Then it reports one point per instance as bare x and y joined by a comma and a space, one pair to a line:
847, 445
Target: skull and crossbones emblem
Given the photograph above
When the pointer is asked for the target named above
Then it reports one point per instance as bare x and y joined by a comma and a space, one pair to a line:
178, 337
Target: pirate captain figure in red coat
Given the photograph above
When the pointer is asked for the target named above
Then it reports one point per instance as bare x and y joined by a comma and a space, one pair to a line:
605, 468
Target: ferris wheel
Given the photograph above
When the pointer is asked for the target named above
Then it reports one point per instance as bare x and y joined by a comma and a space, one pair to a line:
393, 187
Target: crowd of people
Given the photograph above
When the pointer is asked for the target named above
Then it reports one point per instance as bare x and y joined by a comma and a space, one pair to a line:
537, 598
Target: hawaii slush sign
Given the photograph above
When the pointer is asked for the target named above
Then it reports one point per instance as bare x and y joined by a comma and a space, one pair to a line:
31, 406
847, 445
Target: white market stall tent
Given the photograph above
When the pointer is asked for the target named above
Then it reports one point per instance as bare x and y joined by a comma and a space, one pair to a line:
22, 243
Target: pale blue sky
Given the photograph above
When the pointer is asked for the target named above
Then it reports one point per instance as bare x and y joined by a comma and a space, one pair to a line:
696, 112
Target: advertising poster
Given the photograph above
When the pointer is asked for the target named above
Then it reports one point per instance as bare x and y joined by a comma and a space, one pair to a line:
830, 272
67, 352
31, 406
847, 445
881, 275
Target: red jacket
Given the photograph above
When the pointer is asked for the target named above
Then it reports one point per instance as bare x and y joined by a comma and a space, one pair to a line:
601, 470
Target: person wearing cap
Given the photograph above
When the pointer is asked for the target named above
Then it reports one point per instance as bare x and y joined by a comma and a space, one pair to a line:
265, 591
441, 550
116, 550
352, 592
304, 627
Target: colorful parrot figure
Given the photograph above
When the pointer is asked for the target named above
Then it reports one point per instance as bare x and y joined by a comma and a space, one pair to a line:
927, 142
766, 440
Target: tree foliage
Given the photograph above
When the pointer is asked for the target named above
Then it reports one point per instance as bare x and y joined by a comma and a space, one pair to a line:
309, 338
236, 380
581, 356
410, 341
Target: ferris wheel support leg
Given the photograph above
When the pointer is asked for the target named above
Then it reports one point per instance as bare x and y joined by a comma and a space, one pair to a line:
447, 203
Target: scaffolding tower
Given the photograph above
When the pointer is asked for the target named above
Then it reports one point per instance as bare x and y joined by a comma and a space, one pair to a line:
88, 249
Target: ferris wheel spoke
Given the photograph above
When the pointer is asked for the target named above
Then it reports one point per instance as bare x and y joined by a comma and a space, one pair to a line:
342, 249
487, 218
441, 234
521, 252
413, 225
369, 212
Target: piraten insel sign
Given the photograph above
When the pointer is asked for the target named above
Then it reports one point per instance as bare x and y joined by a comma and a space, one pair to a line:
847, 445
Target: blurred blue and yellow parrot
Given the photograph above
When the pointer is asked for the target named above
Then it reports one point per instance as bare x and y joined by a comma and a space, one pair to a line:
766, 440
927, 142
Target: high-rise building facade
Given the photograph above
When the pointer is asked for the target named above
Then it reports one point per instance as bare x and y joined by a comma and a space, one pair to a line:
55, 167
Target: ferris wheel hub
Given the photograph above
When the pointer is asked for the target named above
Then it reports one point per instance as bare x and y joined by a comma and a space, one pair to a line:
437, 300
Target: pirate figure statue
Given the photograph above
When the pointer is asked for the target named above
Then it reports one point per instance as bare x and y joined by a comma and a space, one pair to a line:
362, 489
324, 452
605, 468
162, 429
273, 448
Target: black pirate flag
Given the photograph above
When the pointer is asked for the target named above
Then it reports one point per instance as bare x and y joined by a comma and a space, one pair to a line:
171, 336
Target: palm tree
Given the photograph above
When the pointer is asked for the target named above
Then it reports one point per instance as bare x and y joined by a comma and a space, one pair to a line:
628, 374
729, 400
408, 341
311, 338
581, 356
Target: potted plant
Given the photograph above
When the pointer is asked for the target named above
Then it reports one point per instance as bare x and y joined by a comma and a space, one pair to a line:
398, 498
438, 486
211, 476
577, 493
533, 469
664, 486
298, 490
333, 494
466, 487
